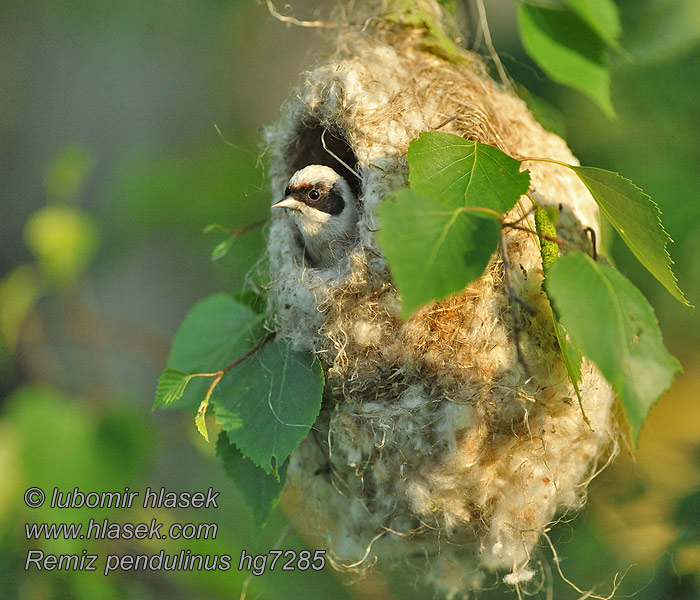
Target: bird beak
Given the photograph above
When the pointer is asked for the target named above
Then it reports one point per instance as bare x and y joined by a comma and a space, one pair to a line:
289, 202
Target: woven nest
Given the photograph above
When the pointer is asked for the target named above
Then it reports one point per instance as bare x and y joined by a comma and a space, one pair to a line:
434, 437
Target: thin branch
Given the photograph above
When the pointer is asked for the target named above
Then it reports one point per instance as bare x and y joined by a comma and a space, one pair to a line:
544, 236
200, 419
245, 228
270, 336
238, 361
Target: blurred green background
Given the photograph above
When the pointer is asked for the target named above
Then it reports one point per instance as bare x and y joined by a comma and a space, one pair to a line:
111, 169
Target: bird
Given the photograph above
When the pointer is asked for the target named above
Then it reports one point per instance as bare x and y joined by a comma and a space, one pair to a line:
324, 209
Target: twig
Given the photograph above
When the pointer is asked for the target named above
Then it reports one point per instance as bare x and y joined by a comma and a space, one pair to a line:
544, 236
240, 230
253, 350
200, 419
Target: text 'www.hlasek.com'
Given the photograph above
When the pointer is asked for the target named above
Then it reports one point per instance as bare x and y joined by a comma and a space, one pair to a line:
102, 528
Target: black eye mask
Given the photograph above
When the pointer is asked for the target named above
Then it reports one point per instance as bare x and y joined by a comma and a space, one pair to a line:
330, 200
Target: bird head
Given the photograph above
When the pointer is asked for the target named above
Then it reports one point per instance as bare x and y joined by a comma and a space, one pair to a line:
324, 209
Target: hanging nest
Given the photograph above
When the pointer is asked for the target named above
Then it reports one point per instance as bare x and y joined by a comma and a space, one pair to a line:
435, 438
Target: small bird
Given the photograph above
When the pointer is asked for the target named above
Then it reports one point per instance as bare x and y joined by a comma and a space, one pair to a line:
324, 208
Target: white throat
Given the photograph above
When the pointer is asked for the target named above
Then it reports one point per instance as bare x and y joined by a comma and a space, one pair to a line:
327, 237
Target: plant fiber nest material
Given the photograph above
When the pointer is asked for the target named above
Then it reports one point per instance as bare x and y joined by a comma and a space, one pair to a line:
433, 438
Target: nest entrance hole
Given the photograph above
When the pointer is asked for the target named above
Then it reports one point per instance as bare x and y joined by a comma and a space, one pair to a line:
337, 154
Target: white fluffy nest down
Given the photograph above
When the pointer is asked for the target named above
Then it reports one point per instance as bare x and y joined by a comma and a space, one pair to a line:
432, 441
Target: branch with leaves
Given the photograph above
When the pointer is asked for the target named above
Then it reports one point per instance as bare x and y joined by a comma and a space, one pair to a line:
440, 233
265, 400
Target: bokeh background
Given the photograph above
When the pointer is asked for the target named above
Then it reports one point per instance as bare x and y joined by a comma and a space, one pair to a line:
112, 167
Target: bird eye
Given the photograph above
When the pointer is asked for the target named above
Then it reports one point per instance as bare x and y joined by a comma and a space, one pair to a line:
314, 195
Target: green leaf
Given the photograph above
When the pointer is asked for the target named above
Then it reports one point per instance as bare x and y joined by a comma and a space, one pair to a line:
572, 361
268, 403
260, 490
217, 331
610, 321
433, 251
222, 248
601, 16
568, 51
549, 252
215, 227
200, 422
171, 386
456, 172
637, 219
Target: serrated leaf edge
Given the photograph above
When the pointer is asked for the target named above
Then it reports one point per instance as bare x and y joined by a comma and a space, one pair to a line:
166, 378
677, 293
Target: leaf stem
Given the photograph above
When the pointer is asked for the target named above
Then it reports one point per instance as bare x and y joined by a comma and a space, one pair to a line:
546, 160
200, 420
481, 209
